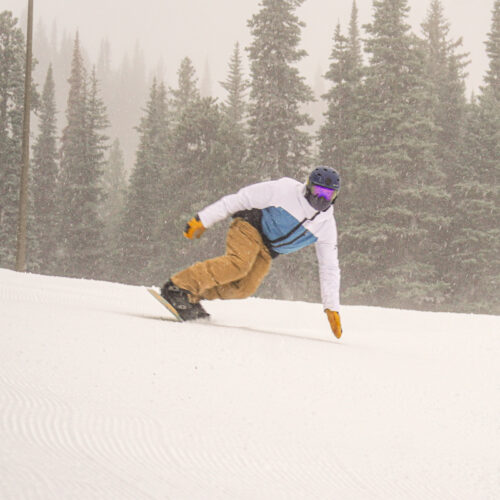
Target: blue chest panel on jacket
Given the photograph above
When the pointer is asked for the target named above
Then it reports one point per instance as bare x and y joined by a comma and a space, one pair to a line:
277, 222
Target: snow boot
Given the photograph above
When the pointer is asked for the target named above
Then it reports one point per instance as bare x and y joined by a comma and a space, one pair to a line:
179, 299
199, 311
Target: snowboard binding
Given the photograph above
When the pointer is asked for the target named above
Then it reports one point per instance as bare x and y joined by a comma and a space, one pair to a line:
178, 298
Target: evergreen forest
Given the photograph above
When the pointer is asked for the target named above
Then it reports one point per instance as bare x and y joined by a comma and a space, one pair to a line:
120, 161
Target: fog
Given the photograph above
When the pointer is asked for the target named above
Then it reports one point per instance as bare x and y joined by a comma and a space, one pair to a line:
206, 30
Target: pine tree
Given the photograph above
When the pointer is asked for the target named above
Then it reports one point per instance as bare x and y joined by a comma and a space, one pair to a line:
278, 144
44, 176
236, 86
393, 224
72, 164
445, 77
446, 80
81, 169
144, 208
114, 182
97, 140
332, 134
492, 78
114, 186
202, 170
234, 124
187, 88
477, 235
195, 151
12, 60
339, 134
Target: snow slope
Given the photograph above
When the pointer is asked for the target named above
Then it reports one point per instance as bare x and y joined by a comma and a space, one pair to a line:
101, 399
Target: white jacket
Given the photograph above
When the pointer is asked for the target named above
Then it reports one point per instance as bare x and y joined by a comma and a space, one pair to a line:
289, 223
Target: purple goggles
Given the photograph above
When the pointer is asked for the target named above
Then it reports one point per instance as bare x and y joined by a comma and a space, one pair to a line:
328, 194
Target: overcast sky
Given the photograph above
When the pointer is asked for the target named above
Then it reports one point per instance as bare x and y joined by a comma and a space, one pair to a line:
206, 30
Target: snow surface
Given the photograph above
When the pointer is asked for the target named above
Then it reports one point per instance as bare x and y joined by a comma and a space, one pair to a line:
101, 399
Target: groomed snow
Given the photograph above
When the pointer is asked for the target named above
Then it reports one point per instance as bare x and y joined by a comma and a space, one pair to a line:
101, 399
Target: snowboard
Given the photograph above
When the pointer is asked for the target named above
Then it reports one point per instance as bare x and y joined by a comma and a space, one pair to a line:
165, 303
176, 318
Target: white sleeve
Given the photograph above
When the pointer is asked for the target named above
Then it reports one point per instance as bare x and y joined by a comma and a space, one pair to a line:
254, 196
329, 270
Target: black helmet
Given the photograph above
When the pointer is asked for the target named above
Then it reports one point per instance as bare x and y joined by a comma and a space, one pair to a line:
322, 188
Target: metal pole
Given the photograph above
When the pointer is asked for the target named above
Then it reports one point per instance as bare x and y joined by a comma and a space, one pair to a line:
23, 195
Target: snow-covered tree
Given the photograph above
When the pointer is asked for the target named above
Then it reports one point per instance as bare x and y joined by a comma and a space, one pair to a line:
44, 175
145, 202
477, 232
339, 135
114, 185
492, 78
235, 86
12, 62
279, 145
394, 224
187, 89
234, 124
81, 167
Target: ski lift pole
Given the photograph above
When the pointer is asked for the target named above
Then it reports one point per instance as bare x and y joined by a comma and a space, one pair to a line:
23, 195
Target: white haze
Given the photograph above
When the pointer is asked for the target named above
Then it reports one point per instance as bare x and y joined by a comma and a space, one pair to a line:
206, 31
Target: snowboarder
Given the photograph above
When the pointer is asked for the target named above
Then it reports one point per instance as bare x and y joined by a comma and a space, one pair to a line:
269, 219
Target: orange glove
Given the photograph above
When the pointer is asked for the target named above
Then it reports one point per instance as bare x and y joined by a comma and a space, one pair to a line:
194, 228
334, 319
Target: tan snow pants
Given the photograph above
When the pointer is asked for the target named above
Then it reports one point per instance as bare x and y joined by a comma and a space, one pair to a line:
235, 275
